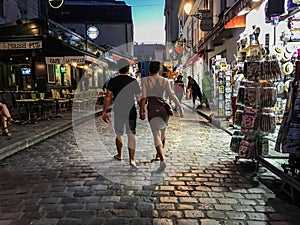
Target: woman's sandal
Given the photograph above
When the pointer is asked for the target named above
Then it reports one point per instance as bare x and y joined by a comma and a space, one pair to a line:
156, 158
5, 132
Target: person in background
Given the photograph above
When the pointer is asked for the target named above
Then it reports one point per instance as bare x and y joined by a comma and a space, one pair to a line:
153, 88
196, 91
5, 119
206, 87
179, 88
125, 90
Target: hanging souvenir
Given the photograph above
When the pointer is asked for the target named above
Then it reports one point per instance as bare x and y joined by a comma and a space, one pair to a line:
294, 26
292, 5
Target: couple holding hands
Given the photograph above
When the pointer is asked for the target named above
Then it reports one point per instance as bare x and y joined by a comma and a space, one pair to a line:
125, 90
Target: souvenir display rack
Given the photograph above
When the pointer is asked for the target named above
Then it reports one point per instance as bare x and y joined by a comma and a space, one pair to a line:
256, 96
223, 76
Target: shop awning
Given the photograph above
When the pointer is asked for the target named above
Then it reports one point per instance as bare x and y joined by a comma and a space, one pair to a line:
230, 17
191, 61
229, 21
55, 47
118, 57
236, 22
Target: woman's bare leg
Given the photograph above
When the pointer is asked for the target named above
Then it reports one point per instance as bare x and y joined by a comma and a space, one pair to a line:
158, 144
5, 111
4, 123
163, 136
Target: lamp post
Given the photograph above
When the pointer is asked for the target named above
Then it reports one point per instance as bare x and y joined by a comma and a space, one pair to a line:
204, 15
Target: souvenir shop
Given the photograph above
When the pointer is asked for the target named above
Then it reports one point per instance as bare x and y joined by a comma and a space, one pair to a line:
267, 112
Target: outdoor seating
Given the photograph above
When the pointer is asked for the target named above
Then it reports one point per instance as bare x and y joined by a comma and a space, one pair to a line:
60, 103
68, 97
20, 108
7, 98
28, 102
47, 106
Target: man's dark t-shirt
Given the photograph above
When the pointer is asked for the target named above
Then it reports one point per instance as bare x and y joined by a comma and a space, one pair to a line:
124, 88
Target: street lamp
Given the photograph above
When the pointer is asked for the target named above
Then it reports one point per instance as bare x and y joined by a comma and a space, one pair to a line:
201, 14
188, 8
204, 15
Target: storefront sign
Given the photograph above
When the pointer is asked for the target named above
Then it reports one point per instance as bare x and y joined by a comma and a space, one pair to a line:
55, 60
93, 32
55, 4
74, 59
20, 45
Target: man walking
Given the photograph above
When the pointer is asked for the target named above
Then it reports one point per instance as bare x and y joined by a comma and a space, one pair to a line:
124, 89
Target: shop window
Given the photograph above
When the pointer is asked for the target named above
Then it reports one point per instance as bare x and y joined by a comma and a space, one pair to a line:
51, 73
59, 74
67, 76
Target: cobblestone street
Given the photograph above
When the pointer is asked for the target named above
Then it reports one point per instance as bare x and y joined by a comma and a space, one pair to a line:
72, 179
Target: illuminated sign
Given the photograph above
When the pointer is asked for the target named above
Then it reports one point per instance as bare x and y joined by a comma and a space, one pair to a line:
55, 4
92, 32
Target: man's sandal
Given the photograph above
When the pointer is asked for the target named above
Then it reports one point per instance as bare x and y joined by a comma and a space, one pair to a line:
117, 157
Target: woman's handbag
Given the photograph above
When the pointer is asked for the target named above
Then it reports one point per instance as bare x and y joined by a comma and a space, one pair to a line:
166, 105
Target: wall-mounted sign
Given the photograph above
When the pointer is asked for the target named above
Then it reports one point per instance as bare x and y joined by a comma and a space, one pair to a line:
54, 60
55, 4
92, 32
20, 45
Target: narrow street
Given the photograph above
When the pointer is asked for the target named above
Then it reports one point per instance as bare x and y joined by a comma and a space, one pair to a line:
72, 179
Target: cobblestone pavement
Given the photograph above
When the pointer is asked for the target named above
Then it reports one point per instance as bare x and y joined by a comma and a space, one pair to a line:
72, 179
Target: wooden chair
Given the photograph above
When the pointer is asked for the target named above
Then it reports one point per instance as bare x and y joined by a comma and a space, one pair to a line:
62, 102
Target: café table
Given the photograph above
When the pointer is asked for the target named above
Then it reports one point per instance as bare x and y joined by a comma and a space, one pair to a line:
44, 103
57, 107
28, 104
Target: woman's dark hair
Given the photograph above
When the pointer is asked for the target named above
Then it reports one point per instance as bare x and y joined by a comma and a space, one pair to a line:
179, 77
154, 67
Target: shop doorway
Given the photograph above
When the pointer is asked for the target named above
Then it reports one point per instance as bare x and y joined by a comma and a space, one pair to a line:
21, 77
3, 78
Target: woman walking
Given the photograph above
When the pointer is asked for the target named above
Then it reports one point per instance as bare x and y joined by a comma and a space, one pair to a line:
153, 88
179, 88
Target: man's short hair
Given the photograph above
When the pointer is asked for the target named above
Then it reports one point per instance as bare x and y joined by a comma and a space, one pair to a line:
123, 65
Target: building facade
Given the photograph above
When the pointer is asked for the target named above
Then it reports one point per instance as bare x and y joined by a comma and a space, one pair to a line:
112, 21
38, 53
148, 52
